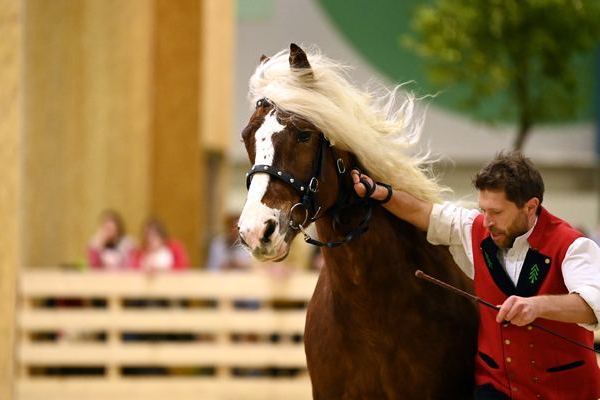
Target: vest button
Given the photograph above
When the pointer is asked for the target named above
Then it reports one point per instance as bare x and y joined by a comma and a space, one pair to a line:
536, 379
531, 345
505, 325
514, 389
508, 359
532, 362
507, 341
529, 327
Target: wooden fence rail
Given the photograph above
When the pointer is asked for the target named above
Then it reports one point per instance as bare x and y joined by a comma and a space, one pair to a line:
192, 335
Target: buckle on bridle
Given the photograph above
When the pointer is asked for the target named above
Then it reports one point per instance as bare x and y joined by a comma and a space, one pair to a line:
313, 185
341, 167
291, 223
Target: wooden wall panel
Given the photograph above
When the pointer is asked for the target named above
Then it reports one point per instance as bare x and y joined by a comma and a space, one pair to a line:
127, 105
218, 35
11, 27
87, 102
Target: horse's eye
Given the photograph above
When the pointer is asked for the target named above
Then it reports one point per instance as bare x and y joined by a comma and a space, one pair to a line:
303, 136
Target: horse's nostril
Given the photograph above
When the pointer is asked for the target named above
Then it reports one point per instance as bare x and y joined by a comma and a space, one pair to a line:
269, 230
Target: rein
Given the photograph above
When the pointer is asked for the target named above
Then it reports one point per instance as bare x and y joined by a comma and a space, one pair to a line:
308, 191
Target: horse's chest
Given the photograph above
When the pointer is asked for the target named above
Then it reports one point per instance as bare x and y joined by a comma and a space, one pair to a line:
363, 354
361, 373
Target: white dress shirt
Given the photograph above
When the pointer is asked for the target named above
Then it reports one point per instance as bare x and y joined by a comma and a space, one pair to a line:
450, 225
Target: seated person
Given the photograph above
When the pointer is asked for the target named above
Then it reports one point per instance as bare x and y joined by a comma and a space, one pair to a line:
110, 247
225, 253
158, 252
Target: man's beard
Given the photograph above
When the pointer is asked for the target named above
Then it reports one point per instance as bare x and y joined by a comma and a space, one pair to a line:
516, 229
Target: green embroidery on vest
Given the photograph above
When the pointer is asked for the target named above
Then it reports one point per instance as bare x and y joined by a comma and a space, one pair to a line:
488, 260
534, 274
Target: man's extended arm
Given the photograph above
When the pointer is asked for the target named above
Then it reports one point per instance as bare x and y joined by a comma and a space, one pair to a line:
401, 204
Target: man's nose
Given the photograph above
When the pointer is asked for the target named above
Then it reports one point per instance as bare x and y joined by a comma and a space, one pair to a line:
487, 221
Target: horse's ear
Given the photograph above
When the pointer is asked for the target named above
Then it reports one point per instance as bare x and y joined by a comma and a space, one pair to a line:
298, 57
264, 59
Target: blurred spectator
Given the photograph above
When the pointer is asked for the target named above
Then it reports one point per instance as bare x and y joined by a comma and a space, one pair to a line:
159, 252
225, 253
110, 247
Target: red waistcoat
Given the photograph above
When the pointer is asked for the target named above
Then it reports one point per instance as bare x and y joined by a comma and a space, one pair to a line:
525, 362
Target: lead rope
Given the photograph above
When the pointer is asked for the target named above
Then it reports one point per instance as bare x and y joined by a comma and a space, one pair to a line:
365, 202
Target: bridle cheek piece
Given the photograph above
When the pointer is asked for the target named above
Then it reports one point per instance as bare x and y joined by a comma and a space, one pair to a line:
307, 191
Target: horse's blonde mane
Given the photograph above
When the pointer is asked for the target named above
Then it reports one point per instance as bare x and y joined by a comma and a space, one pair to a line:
378, 129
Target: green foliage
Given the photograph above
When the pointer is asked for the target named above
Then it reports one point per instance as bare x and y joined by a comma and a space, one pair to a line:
526, 49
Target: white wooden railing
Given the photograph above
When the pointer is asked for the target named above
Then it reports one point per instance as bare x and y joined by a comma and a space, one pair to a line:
230, 322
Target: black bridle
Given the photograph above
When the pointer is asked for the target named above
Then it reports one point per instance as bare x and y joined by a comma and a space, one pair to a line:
308, 191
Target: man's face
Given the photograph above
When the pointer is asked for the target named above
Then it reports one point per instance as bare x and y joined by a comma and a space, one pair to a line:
503, 218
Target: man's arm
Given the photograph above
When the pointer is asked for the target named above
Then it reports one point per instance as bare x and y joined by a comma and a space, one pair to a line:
565, 308
445, 224
581, 272
401, 204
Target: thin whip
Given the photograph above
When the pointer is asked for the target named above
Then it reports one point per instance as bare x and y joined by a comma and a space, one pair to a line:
422, 275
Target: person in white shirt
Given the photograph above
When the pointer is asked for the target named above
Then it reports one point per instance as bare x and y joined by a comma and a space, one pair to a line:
530, 263
155, 253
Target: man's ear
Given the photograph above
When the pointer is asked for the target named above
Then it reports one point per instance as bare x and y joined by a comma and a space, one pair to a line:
532, 204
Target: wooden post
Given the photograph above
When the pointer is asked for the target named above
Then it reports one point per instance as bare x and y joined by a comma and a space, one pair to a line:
177, 189
223, 337
11, 27
113, 337
216, 105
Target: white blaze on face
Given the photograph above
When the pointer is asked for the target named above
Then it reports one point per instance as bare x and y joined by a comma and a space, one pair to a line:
255, 213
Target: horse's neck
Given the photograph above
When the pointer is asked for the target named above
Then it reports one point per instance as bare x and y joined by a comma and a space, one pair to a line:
371, 260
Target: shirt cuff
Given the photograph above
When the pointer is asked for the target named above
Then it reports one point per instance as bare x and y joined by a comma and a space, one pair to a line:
591, 296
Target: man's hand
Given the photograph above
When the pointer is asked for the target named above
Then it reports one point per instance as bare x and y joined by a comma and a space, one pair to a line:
519, 311
380, 192
360, 188
100, 238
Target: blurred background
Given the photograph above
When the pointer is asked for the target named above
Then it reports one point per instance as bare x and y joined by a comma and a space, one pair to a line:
123, 171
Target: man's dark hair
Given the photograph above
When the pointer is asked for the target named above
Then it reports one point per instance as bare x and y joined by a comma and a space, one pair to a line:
514, 174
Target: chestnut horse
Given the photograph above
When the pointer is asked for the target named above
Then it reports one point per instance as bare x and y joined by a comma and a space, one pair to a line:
373, 331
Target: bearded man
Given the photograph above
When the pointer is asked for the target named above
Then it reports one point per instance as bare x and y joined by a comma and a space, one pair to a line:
534, 265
